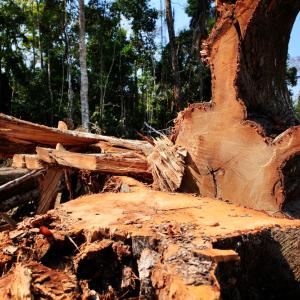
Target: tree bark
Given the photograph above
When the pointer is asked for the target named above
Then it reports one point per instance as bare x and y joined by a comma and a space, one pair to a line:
50, 86
199, 24
174, 58
85, 114
234, 150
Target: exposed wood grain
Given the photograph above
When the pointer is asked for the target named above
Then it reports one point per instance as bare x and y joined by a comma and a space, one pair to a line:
22, 136
233, 151
49, 189
180, 244
115, 163
167, 164
20, 284
27, 161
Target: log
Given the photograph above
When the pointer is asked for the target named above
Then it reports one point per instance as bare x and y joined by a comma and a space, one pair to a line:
27, 161
8, 174
155, 245
114, 163
17, 182
49, 188
19, 190
20, 136
244, 145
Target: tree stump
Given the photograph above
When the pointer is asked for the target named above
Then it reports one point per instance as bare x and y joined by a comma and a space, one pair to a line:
152, 245
244, 145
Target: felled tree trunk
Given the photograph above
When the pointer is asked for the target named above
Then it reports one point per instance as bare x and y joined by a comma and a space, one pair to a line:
244, 145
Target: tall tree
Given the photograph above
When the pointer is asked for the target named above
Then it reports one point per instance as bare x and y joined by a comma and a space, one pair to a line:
84, 86
199, 11
174, 55
202, 18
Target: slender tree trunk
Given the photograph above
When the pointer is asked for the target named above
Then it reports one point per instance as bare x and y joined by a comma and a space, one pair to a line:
50, 87
199, 24
85, 114
199, 27
39, 30
70, 92
174, 56
33, 37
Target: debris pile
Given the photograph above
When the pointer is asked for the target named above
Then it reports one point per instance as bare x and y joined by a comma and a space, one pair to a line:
57, 164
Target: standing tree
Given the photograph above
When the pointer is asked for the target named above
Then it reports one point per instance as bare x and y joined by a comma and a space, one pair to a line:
174, 56
244, 145
84, 87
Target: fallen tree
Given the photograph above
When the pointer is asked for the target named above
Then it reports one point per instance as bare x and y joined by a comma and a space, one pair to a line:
132, 241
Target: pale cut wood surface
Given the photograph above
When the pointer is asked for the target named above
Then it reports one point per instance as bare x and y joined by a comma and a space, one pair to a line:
115, 163
230, 157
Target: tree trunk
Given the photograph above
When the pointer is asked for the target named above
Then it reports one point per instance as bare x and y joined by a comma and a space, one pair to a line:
199, 24
39, 31
174, 57
85, 114
234, 150
50, 87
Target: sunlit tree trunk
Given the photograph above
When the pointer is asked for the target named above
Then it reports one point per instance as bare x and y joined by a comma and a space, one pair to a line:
85, 114
244, 145
39, 31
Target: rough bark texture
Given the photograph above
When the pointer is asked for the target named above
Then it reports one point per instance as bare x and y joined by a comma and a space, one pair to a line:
233, 151
151, 244
85, 112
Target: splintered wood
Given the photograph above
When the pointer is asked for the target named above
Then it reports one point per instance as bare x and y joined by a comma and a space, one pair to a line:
152, 245
71, 163
49, 189
167, 164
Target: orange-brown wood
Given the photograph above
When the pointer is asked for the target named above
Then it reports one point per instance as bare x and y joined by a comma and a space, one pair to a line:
176, 240
22, 137
115, 163
234, 154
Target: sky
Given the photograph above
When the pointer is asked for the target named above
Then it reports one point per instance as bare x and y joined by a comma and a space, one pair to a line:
182, 22
294, 46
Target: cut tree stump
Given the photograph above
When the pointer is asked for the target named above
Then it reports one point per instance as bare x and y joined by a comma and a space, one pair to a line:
244, 145
153, 244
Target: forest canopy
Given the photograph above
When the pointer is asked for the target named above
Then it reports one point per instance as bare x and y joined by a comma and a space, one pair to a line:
129, 67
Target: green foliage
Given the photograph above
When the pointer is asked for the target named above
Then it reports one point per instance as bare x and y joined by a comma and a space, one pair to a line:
129, 83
